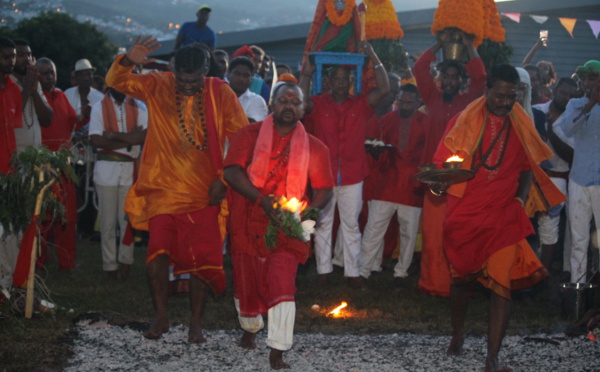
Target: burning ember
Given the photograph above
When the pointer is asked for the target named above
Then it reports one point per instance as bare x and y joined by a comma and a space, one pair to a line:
454, 158
336, 312
291, 205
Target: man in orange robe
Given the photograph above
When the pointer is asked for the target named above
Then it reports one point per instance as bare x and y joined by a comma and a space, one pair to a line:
486, 225
179, 191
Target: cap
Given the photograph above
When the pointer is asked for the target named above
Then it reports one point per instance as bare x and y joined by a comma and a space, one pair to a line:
590, 67
204, 7
84, 64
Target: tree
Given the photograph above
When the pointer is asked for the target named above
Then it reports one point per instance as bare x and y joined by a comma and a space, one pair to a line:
64, 40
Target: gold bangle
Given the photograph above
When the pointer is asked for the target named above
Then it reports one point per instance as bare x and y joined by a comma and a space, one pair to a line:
520, 201
379, 65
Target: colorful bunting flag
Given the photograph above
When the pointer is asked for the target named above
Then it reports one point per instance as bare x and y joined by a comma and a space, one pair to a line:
568, 24
539, 19
514, 16
595, 26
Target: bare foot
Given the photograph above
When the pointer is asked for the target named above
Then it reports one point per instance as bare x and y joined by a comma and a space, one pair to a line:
195, 335
491, 365
248, 340
276, 360
456, 346
157, 328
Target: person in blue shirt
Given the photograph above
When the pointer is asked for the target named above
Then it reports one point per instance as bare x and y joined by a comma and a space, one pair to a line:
197, 32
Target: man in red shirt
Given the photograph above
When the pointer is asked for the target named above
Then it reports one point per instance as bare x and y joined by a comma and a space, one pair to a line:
442, 105
269, 159
10, 118
57, 136
395, 189
340, 120
10, 97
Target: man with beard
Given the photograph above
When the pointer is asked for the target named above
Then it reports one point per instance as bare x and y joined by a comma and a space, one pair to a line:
83, 96
179, 191
486, 226
57, 136
442, 105
240, 77
395, 189
556, 168
117, 129
10, 118
581, 119
268, 160
36, 110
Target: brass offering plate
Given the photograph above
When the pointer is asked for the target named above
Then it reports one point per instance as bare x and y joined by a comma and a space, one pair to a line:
446, 175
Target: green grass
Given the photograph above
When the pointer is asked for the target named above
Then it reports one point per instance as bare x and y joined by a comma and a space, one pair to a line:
42, 343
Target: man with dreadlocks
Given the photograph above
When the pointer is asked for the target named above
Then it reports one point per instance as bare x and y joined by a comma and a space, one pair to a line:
180, 188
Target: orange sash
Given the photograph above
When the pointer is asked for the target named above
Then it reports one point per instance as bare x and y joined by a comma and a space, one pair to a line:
464, 138
110, 117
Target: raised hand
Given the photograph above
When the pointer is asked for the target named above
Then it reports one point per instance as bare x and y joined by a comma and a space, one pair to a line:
138, 53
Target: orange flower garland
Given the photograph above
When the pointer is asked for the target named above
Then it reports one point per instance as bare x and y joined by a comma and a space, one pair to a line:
336, 18
381, 20
493, 26
467, 15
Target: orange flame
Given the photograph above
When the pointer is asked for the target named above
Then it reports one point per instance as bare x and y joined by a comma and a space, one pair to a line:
292, 205
591, 336
454, 158
336, 311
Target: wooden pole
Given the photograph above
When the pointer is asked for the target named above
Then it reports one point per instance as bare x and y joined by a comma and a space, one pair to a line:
34, 253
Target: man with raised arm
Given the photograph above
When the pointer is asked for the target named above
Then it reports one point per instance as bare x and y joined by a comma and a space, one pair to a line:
179, 191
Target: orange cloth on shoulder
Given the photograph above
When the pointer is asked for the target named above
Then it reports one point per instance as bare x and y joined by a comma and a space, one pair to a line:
464, 138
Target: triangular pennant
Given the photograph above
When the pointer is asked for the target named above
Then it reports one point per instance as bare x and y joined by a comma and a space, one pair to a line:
568, 24
514, 16
595, 26
539, 19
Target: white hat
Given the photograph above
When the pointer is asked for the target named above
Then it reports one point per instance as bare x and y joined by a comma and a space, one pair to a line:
84, 64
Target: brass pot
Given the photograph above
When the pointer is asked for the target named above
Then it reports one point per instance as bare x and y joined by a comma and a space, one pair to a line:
454, 49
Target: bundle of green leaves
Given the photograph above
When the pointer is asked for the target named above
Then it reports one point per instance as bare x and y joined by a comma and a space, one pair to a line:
33, 168
293, 223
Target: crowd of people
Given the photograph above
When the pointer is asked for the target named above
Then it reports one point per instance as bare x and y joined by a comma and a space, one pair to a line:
200, 155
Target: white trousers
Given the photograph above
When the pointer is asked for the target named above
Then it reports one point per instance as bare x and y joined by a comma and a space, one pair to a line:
348, 200
111, 200
281, 324
548, 225
584, 203
9, 252
380, 214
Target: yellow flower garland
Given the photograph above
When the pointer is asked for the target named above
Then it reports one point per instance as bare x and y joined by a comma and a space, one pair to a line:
336, 18
381, 20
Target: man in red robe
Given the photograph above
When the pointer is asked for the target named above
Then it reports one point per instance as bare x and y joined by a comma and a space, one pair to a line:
442, 105
10, 118
57, 136
395, 190
486, 223
179, 191
266, 160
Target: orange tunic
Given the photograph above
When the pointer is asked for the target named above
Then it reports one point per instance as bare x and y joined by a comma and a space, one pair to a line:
172, 180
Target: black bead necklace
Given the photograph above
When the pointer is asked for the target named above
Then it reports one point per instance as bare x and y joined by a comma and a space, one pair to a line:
188, 133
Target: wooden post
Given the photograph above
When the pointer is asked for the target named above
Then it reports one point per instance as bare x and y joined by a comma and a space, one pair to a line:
34, 252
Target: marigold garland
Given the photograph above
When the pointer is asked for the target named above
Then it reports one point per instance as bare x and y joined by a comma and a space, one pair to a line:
493, 29
381, 20
467, 15
336, 18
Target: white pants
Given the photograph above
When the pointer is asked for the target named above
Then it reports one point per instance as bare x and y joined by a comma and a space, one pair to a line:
111, 200
584, 202
380, 214
349, 203
9, 252
548, 225
281, 324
